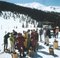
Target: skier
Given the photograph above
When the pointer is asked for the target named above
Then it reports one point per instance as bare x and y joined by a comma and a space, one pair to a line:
14, 33
15, 37
6, 41
47, 36
12, 42
56, 32
33, 40
20, 44
41, 32
26, 38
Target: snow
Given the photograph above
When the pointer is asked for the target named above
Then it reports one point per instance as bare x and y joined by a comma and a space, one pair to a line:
5, 55
8, 26
32, 5
42, 7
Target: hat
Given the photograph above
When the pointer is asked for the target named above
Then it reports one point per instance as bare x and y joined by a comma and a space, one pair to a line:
57, 27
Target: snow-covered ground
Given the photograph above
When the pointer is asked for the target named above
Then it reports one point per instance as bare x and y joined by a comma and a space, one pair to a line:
41, 7
8, 26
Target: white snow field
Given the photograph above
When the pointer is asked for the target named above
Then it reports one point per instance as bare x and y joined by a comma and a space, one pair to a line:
42, 7
10, 24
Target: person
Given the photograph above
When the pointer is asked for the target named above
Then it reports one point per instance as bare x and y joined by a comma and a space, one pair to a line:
56, 31
20, 44
14, 33
25, 35
12, 41
6, 36
41, 32
37, 37
28, 40
33, 39
47, 36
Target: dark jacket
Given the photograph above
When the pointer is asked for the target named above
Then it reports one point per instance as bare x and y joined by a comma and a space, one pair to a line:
48, 33
6, 38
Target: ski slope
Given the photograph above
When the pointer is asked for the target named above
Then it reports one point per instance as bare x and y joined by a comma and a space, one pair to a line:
8, 26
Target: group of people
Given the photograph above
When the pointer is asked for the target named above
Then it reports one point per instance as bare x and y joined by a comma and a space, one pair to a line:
21, 42
28, 40
48, 34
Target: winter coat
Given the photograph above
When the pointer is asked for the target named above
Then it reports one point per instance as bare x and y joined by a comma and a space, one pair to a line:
12, 39
41, 32
33, 35
28, 41
48, 33
20, 41
36, 35
33, 39
33, 42
26, 38
6, 38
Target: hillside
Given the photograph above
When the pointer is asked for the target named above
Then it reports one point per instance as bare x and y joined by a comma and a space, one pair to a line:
33, 13
40, 6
